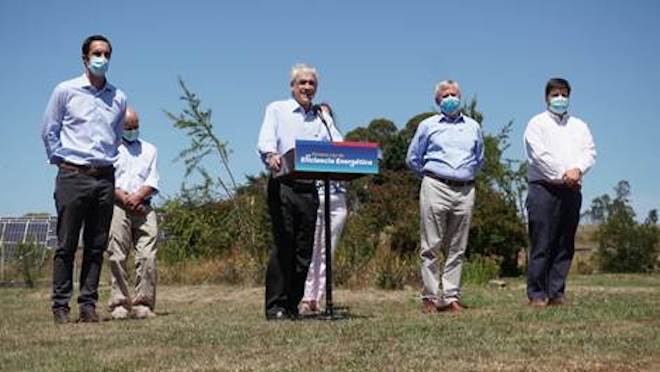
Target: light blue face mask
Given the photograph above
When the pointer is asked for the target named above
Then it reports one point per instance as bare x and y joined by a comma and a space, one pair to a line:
558, 105
98, 66
450, 104
131, 135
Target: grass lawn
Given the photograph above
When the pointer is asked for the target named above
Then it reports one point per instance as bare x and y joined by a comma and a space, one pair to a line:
612, 323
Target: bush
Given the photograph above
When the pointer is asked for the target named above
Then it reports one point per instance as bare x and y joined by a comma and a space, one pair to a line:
480, 269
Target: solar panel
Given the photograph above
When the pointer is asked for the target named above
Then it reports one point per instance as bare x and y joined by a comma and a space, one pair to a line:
17, 230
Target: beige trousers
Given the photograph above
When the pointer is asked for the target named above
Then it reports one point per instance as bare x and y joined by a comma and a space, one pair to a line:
132, 232
445, 212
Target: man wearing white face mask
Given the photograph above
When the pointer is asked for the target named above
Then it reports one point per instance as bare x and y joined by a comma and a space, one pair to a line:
134, 224
560, 150
82, 129
446, 152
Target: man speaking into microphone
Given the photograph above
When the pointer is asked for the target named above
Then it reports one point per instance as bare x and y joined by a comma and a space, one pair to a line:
292, 204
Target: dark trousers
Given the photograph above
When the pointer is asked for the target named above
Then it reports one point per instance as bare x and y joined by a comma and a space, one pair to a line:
292, 207
554, 213
81, 198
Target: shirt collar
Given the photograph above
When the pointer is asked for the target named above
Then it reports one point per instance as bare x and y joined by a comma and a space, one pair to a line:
294, 106
85, 83
559, 119
451, 120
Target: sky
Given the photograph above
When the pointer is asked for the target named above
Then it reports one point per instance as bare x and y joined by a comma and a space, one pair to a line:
374, 58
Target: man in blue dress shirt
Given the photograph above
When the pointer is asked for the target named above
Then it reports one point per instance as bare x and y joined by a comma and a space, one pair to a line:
292, 204
82, 129
446, 151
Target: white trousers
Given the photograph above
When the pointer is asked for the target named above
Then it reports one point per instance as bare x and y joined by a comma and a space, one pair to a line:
446, 212
315, 283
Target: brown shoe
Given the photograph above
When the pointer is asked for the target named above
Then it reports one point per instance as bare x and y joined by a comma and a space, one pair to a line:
454, 307
538, 303
61, 315
559, 301
88, 315
428, 306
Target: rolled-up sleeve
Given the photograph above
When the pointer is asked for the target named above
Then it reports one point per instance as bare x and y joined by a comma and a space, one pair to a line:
267, 142
153, 178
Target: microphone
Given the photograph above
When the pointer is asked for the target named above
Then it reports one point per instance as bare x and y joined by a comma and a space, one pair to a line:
318, 111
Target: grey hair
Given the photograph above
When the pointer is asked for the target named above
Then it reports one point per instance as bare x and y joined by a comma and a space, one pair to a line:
300, 68
446, 83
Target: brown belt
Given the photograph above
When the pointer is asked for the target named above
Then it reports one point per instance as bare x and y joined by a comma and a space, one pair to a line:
450, 182
87, 169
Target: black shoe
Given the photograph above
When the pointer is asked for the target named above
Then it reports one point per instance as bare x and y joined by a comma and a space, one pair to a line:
61, 315
88, 315
277, 314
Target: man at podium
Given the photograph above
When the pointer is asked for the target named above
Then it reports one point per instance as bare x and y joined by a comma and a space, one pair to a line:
292, 203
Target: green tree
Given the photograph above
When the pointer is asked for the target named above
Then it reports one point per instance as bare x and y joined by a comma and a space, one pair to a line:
624, 245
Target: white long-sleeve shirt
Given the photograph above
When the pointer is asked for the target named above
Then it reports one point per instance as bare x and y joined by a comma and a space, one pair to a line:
555, 145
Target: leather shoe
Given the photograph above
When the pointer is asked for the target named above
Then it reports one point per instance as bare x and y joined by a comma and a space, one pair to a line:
88, 315
559, 301
428, 306
61, 315
538, 303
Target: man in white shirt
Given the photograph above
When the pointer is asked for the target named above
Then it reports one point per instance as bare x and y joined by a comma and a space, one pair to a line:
134, 224
292, 204
560, 150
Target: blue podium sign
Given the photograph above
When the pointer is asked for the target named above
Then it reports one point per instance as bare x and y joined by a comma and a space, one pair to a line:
336, 157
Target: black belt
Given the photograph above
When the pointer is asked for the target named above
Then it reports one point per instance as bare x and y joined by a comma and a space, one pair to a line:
450, 182
87, 169
558, 186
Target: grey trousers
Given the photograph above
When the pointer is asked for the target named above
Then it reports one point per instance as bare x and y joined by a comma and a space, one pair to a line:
132, 232
445, 212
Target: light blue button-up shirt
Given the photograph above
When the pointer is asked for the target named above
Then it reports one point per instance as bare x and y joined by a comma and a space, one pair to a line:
83, 125
447, 147
285, 122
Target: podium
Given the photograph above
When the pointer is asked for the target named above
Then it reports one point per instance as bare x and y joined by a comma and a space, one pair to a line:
326, 161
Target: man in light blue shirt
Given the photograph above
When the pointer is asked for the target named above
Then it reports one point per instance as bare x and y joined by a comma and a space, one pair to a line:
82, 129
292, 204
446, 151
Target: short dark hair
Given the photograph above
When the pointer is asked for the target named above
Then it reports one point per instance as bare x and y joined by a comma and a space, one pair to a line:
90, 39
557, 83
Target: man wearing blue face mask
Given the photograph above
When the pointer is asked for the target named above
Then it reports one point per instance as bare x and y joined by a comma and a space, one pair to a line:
560, 150
134, 224
446, 152
82, 129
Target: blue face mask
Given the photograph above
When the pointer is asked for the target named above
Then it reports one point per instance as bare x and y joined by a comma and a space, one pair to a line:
131, 135
558, 105
98, 66
450, 104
